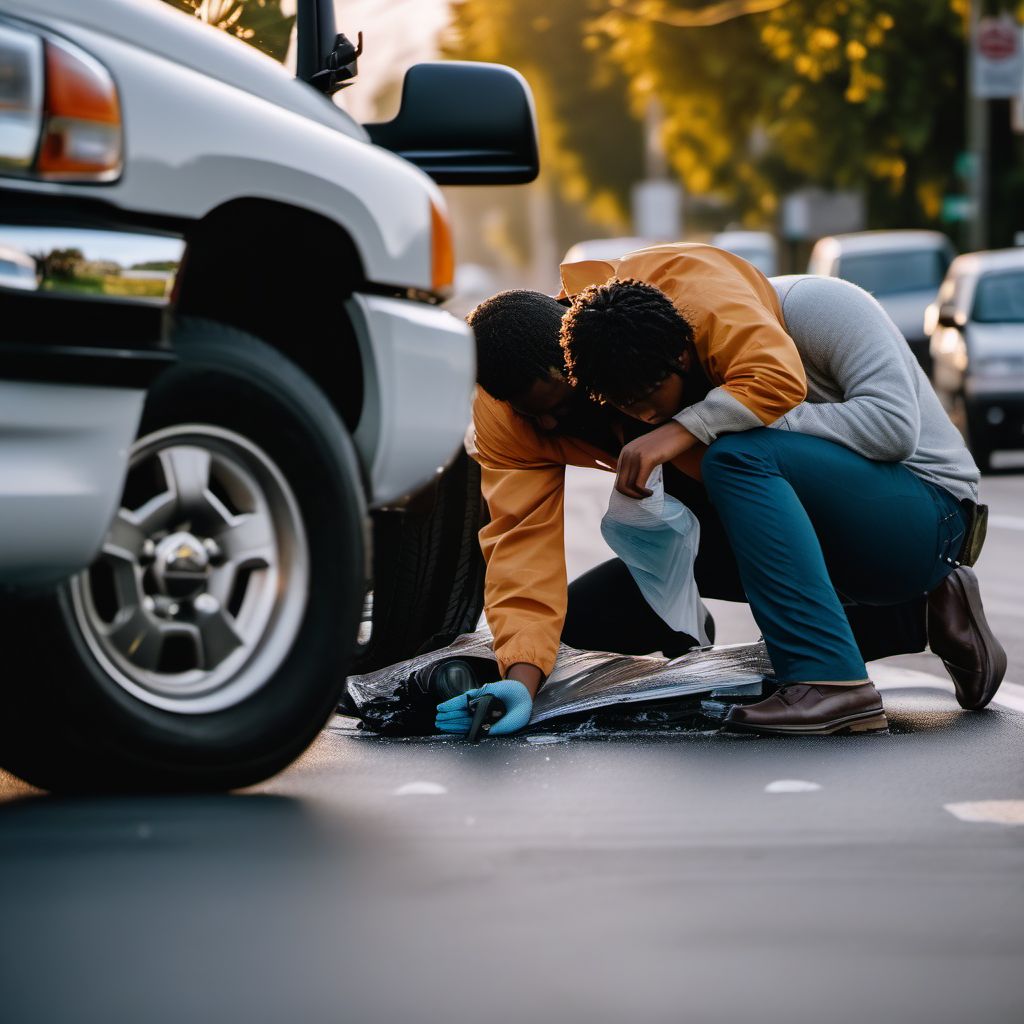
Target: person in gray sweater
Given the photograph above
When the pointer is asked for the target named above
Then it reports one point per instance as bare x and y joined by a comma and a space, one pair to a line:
863, 495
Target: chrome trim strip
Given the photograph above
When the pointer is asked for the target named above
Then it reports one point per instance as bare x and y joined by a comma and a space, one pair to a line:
87, 261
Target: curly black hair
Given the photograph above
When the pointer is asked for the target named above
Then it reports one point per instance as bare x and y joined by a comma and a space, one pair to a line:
621, 339
517, 341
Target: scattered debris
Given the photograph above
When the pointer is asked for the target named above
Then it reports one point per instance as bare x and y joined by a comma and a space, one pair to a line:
607, 690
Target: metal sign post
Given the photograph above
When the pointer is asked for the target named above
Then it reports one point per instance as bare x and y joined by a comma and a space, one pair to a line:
995, 70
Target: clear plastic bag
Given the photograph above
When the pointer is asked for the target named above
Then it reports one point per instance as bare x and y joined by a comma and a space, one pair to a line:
658, 537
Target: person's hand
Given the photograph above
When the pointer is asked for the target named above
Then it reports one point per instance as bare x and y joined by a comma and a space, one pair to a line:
639, 458
453, 715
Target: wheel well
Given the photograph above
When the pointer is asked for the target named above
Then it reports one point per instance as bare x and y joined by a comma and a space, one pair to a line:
282, 274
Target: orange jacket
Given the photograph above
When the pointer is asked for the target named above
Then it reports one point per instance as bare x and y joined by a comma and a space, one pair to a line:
741, 341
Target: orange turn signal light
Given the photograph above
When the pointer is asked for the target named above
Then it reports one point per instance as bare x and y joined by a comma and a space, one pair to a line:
442, 249
81, 137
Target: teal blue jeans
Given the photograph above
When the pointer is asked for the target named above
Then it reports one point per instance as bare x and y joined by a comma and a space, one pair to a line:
814, 525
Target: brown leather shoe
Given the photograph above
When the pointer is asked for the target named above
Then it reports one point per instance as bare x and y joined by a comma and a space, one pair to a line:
804, 709
959, 634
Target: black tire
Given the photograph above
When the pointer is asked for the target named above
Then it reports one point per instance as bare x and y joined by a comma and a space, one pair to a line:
428, 573
69, 725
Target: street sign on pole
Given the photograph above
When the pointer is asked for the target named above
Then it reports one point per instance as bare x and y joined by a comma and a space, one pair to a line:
998, 64
957, 208
965, 165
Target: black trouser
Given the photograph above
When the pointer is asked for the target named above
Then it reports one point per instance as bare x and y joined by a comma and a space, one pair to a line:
607, 611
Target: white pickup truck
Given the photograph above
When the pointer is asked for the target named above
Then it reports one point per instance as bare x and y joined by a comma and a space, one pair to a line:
228, 395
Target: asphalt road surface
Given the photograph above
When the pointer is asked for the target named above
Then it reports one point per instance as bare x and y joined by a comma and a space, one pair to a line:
582, 878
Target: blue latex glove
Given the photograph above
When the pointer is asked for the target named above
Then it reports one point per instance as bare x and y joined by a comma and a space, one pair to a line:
453, 715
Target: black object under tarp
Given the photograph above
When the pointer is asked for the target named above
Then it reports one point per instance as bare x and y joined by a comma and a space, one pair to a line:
400, 699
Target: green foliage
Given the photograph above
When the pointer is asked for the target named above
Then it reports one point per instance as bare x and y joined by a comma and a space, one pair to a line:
108, 284
841, 93
62, 264
589, 140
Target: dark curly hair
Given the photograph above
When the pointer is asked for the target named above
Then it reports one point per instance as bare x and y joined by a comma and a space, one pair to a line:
517, 341
621, 339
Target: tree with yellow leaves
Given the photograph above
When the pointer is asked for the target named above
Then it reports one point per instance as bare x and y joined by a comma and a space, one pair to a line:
760, 96
840, 93
590, 143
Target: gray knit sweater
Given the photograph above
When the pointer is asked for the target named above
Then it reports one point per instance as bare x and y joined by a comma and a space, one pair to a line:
865, 389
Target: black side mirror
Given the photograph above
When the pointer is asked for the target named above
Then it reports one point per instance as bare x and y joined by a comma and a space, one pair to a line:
465, 123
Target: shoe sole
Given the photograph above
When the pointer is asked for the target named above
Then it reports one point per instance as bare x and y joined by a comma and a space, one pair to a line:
993, 670
866, 721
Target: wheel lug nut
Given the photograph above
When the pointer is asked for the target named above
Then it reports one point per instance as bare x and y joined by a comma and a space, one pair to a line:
173, 609
206, 604
212, 549
149, 604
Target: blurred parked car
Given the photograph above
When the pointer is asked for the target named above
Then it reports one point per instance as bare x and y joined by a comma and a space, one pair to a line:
902, 269
473, 283
976, 326
757, 247
606, 248
199, 491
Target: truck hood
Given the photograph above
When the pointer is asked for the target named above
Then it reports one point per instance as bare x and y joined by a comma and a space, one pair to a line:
154, 26
907, 311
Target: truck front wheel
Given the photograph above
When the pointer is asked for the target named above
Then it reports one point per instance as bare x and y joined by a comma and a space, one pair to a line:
208, 643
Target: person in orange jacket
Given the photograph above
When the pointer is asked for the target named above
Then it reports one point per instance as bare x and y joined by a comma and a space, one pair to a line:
738, 371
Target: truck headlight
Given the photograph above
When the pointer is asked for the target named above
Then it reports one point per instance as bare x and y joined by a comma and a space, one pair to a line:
21, 97
60, 117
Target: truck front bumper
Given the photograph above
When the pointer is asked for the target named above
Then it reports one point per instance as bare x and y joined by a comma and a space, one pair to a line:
419, 367
74, 372
62, 467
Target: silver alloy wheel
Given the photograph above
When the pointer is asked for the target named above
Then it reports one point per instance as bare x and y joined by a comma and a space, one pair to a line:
202, 582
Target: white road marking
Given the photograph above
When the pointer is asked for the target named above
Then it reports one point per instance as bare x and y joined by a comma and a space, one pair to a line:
995, 812
895, 677
791, 786
1007, 522
421, 789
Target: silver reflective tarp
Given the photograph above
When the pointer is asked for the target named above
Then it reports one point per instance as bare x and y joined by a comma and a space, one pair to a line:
588, 680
